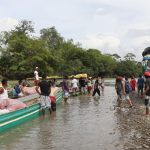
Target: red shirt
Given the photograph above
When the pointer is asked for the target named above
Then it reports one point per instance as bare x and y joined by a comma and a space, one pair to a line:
133, 84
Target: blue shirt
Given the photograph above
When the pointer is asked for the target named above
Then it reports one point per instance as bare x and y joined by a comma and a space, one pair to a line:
140, 82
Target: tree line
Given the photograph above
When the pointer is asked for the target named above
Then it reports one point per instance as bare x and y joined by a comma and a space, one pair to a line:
21, 51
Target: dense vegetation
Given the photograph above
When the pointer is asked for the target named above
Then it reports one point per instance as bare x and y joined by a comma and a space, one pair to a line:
21, 52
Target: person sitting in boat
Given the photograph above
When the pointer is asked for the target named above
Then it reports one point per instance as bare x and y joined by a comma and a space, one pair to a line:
17, 90
3, 96
28, 90
53, 82
5, 102
3, 90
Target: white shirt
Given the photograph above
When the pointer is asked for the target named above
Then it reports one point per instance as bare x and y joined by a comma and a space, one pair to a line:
74, 83
4, 95
36, 75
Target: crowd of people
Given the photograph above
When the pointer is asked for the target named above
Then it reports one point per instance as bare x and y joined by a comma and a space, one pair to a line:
124, 87
83, 85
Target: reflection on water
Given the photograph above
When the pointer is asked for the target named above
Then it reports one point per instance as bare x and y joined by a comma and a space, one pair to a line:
85, 123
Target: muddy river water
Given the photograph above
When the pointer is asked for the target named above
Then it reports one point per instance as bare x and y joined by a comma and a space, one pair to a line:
85, 123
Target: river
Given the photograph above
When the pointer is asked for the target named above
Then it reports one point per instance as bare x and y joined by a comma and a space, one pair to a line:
85, 123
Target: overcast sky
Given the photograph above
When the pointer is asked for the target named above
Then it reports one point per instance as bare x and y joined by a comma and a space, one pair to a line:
112, 26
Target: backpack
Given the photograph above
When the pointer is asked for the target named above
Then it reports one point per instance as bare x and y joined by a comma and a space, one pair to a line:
17, 89
128, 87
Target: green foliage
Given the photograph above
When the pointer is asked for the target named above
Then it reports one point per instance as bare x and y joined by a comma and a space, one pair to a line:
51, 37
21, 52
128, 68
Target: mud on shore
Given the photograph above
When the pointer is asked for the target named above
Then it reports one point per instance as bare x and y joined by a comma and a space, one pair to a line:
134, 125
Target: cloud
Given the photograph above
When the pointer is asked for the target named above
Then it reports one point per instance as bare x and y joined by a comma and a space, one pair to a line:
106, 44
136, 39
124, 25
7, 24
101, 11
140, 41
138, 32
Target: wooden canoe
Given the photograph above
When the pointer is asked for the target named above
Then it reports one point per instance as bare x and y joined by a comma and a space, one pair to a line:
17, 117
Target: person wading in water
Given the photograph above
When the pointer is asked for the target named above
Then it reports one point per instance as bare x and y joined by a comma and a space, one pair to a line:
65, 87
118, 87
123, 88
96, 87
45, 90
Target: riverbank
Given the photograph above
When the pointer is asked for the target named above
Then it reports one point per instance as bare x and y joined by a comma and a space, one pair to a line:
134, 125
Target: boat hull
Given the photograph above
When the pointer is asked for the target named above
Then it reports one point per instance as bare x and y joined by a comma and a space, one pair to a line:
12, 119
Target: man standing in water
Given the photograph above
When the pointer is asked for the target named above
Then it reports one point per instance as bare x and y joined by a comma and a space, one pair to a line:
82, 85
96, 87
119, 90
45, 90
36, 76
65, 87
74, 83
123, 88
128, 89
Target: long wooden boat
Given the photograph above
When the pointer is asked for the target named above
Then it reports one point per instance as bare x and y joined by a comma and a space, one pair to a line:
17, 117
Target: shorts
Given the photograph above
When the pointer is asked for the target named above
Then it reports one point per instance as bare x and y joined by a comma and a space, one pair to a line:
74, 88
36, 82
89, 88
83, 89
147, 98
45, 102
119, 94
133, 88
66, 94
126, 97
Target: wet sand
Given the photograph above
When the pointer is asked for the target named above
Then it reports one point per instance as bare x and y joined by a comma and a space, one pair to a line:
134, 125
85, 123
